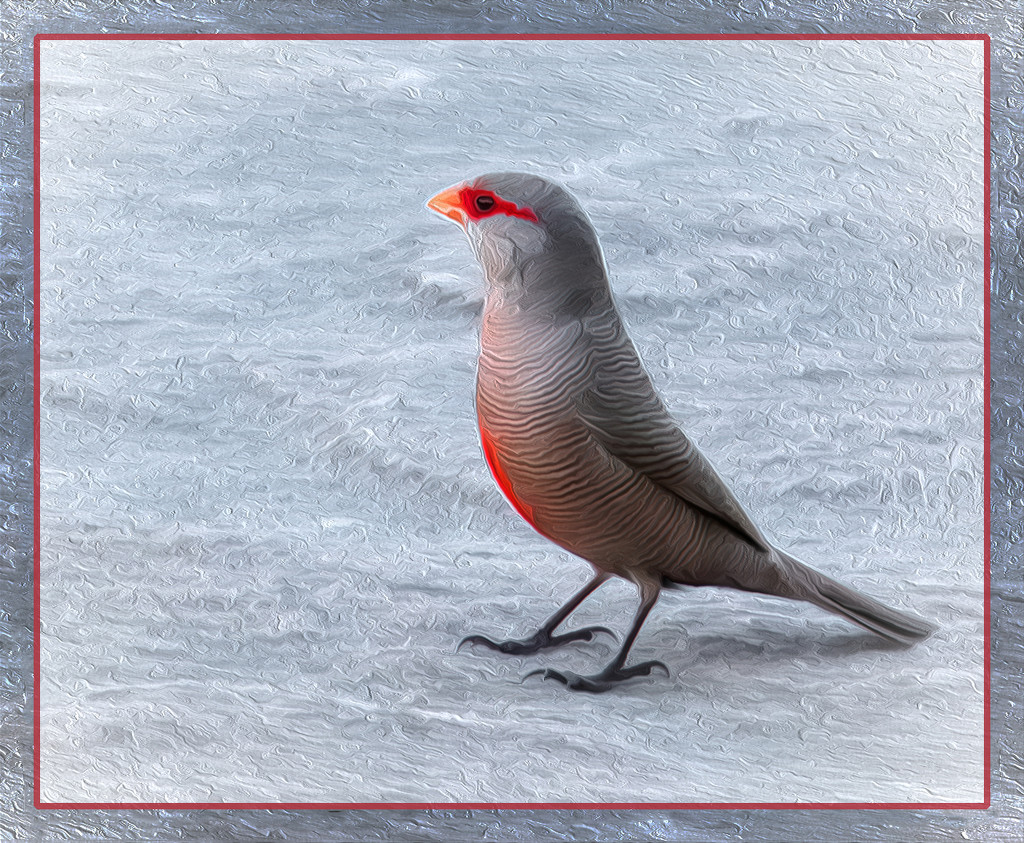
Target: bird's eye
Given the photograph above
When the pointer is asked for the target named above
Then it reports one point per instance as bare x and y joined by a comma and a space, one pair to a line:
484, 203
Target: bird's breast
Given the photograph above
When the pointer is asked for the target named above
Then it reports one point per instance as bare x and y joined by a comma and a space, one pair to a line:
498, 464
528, 377
531, 378
534, 455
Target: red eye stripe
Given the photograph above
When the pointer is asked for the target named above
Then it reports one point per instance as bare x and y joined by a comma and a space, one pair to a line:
468, 197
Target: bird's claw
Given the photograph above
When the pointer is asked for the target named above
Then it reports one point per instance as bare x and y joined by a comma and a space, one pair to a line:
587, 633
536, 642
599, 682
500, 646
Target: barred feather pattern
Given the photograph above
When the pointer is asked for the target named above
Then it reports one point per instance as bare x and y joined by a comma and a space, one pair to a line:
580, 442
538, 386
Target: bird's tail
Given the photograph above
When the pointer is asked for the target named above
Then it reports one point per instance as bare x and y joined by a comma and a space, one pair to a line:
823, 591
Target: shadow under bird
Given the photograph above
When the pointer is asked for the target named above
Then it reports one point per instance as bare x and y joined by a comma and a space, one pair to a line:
582, 446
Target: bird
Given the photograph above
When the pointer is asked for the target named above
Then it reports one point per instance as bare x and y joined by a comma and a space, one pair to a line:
583, 447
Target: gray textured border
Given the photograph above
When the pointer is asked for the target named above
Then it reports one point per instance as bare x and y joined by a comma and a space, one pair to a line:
22, 19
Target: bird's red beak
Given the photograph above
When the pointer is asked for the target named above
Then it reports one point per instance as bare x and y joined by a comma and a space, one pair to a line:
449, 203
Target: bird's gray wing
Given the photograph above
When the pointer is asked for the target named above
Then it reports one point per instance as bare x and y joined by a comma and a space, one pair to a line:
625, 415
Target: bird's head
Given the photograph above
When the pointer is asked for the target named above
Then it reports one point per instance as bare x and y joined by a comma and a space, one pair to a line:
525, 231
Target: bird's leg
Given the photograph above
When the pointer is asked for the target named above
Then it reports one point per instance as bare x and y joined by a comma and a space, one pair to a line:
543, 638
616, 671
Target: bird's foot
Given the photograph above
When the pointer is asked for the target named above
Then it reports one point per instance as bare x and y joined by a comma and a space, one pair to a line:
599, 682
540, 640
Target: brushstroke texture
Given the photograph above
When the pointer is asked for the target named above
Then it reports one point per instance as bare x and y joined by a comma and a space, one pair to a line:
263, 491
22, 20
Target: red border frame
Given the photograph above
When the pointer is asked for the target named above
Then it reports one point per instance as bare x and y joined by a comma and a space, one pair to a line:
985, 38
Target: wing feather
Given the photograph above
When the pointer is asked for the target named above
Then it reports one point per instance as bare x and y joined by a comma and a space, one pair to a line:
625, 415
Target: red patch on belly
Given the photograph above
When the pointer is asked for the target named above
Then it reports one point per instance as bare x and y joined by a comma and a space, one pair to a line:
502, 478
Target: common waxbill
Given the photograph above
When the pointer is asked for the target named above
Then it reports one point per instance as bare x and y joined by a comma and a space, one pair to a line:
581, 444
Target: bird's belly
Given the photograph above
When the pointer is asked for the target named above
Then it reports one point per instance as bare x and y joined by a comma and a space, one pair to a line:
572, 491
499, 462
